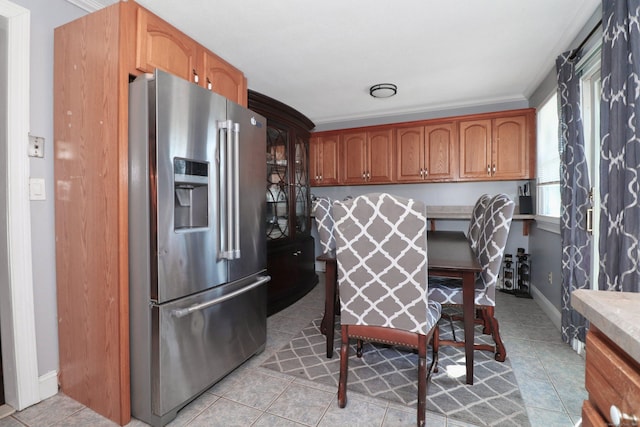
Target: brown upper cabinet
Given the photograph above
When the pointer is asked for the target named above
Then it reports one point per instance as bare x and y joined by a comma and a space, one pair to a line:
496, 148
426, 153
368, 157
323, 160
160, 45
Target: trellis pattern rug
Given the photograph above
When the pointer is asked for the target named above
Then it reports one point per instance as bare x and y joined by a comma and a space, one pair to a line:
389, 373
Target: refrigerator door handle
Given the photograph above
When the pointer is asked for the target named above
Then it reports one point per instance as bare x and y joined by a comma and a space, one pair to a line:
186, 311
226, 251
236, 191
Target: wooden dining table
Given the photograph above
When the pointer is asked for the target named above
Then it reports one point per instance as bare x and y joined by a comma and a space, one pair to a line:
449, 255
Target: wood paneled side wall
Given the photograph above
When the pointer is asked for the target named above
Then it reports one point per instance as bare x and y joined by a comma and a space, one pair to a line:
91, 76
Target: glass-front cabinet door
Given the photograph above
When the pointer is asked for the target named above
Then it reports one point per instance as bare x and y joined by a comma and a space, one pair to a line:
277, 184
301, 185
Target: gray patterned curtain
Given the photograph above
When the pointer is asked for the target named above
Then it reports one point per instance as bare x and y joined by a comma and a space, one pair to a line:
620, 152
574, 193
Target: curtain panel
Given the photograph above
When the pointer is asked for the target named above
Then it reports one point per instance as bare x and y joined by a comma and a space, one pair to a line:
574, 193
620, 147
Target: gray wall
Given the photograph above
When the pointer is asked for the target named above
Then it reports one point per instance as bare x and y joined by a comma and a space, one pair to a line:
45, 16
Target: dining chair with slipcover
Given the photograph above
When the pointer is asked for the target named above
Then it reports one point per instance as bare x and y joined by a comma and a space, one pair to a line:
381, 251
490, 250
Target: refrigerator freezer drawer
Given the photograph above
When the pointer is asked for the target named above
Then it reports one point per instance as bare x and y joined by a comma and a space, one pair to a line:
203, 338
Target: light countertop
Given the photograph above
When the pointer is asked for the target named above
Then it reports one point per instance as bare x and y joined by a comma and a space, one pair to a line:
616, 314
461, 212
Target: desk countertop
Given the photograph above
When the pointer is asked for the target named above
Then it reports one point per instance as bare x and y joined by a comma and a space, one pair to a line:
461, 212
616, 314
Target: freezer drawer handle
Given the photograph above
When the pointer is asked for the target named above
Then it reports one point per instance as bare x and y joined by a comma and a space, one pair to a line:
185, 311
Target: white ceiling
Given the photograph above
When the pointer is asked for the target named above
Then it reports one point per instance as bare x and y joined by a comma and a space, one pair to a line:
321, 57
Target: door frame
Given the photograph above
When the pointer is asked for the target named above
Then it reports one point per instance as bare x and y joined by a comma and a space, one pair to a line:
17, 311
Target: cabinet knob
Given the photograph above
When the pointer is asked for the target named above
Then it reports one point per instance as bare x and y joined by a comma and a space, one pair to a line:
617, 417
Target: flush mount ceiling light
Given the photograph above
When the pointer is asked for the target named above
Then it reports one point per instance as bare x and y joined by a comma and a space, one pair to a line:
383, 90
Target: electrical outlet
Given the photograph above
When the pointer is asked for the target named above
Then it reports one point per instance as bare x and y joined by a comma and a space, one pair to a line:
36, 146
550, 278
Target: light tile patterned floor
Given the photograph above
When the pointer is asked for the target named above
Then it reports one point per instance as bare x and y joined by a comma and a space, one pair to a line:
550, 375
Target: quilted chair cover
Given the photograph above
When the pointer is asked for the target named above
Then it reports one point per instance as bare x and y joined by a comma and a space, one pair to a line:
491, 244
382, 263
477, 216
321, 208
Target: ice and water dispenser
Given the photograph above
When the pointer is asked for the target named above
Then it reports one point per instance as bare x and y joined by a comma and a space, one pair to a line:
191, 202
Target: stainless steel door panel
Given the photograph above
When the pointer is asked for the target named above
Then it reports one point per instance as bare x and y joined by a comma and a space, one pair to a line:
202, 340
252, 175
187, 261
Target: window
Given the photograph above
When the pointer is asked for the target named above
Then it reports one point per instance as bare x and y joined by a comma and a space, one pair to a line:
548, 161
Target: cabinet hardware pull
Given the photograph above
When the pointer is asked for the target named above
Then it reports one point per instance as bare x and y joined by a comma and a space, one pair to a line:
494, 168
320, 177
421, 173
426, 172
195, 76
364, 176
617, 417
368, 176
488, 169
209, 84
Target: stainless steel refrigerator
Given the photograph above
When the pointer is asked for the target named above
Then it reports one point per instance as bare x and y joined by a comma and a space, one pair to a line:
197, 250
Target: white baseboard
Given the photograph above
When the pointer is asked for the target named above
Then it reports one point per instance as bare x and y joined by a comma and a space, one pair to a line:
549, 309
48, 384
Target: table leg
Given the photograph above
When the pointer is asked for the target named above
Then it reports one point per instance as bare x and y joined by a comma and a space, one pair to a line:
328, 320
468, 301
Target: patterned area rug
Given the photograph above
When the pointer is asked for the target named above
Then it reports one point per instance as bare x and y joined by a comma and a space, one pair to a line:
389, 373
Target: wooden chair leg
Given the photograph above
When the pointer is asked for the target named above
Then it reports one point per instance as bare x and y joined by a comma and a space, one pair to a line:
435, 347
501, 352
344, 367
422, 379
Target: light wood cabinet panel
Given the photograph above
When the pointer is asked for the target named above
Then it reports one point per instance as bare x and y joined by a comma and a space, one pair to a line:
510, 148
367, 157
475, 149
91, 202
426, 153
223, 78
323, 162
160, 45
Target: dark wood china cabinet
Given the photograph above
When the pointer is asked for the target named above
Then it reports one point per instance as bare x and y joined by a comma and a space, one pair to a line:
290, 247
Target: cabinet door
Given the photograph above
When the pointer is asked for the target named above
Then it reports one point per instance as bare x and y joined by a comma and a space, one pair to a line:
510, 148
323, 160
354, 146
410, 154
475, 149
439, 147
379, 156
223, 78
159, 45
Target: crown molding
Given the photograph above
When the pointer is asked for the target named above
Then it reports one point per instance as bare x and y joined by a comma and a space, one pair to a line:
92, 5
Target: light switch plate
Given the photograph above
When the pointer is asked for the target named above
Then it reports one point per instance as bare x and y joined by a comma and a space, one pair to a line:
36, 146
36, 189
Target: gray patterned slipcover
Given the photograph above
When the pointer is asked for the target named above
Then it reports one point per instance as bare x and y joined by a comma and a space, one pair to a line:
382, 263
476, 222
491, 244
321, 208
